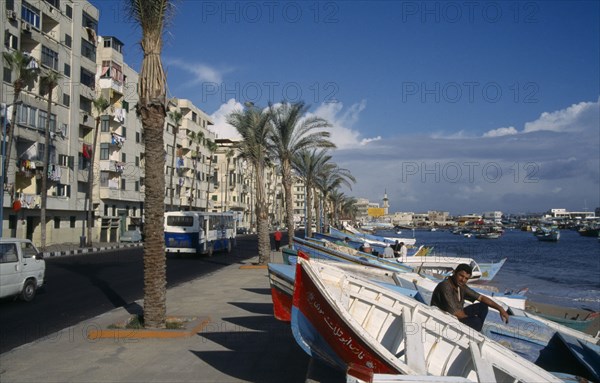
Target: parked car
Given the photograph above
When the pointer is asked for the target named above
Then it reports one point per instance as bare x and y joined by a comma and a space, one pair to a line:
22, 268
133, 236
242, 230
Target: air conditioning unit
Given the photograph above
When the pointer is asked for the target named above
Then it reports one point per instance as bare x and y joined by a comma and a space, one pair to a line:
26, 27
11, 15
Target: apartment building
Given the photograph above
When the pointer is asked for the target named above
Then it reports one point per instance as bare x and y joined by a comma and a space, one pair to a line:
60, 36
118, 158
187, 158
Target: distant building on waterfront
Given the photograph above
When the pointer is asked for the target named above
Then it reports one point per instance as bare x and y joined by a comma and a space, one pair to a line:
494, 216
564, 214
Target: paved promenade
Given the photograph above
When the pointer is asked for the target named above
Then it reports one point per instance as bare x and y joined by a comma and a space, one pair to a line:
242, 342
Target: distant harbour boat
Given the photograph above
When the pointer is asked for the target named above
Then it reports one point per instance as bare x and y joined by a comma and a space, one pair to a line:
547, 234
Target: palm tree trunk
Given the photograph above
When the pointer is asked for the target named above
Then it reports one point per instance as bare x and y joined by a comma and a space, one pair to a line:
10, 134
262, 218
91, 184
155, 281
308, 225
210, 180
286, 173
172, 165
44, 200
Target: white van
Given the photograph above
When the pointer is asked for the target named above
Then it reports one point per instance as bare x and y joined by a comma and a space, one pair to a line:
22, 268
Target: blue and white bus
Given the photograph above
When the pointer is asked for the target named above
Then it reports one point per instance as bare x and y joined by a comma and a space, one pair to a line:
199, 232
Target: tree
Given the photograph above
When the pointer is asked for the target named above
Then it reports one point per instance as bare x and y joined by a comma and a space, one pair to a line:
20, 63
293, 132
254, 126
49, 81
176, 117
151, 15
229, 155
100, 105
309, 164
198, 139
212, 148
329, 181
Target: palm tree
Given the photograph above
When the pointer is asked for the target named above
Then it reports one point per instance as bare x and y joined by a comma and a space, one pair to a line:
151, 15
309, 164
176, 117
212, 148
49, 81
254, 126
292, 133
229, 155
330, 180
20, 64
196, 138
100, 105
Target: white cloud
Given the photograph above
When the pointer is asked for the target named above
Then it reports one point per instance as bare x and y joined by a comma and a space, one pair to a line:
572, 119
201, 72
219, 117
501, 132
343, 132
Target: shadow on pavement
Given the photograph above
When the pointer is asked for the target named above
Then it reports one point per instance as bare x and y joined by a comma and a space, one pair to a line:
258, 291
256, 308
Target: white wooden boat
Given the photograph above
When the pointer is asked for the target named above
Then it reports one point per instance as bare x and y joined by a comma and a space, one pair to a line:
343, 318
430, 264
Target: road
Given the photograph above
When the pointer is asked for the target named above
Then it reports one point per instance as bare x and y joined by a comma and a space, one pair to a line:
83, 286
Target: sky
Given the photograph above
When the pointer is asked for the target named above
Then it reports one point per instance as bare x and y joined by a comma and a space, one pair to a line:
465, 106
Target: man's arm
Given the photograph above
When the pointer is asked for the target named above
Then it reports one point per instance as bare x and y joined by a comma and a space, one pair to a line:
494, 305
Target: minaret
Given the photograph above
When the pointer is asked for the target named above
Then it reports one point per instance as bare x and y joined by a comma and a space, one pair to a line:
386, 204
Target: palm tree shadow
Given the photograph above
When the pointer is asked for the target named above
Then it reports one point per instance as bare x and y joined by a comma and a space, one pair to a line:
93, 275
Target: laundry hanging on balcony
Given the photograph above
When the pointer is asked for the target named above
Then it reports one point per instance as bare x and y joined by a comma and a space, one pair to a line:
120, 115
54, 172
117, 140
87, 151
120, 166
179, 162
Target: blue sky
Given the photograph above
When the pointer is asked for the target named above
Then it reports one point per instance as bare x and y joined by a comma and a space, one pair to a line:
456, 106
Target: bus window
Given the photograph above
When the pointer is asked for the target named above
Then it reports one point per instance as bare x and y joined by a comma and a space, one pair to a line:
174, 220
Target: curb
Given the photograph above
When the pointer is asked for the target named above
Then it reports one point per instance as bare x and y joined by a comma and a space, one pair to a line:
61, 253
147, 334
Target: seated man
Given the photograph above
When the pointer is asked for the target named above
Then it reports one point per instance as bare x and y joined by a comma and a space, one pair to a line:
450, 295
388, 252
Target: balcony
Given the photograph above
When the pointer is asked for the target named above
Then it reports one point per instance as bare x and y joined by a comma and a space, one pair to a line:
86, 120
109, 83
111, 166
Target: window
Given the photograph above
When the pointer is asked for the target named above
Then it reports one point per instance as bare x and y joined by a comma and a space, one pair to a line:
214, 197
104, 151
72, 220
113, 43
82, 162
49, 58
88, 50
89, 22
104, 183
87, 78
67, 71
68, 40
11, 41
85, 104
54, 3
30, 14
66, 99
137, 186
57, 222
123, 183
42, 117
8, 253
123, 131
137, 161
137, 137
123, 157
7, 75
69, 11
105, 123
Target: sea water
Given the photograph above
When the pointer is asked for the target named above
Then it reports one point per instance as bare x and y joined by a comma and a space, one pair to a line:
565, 273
